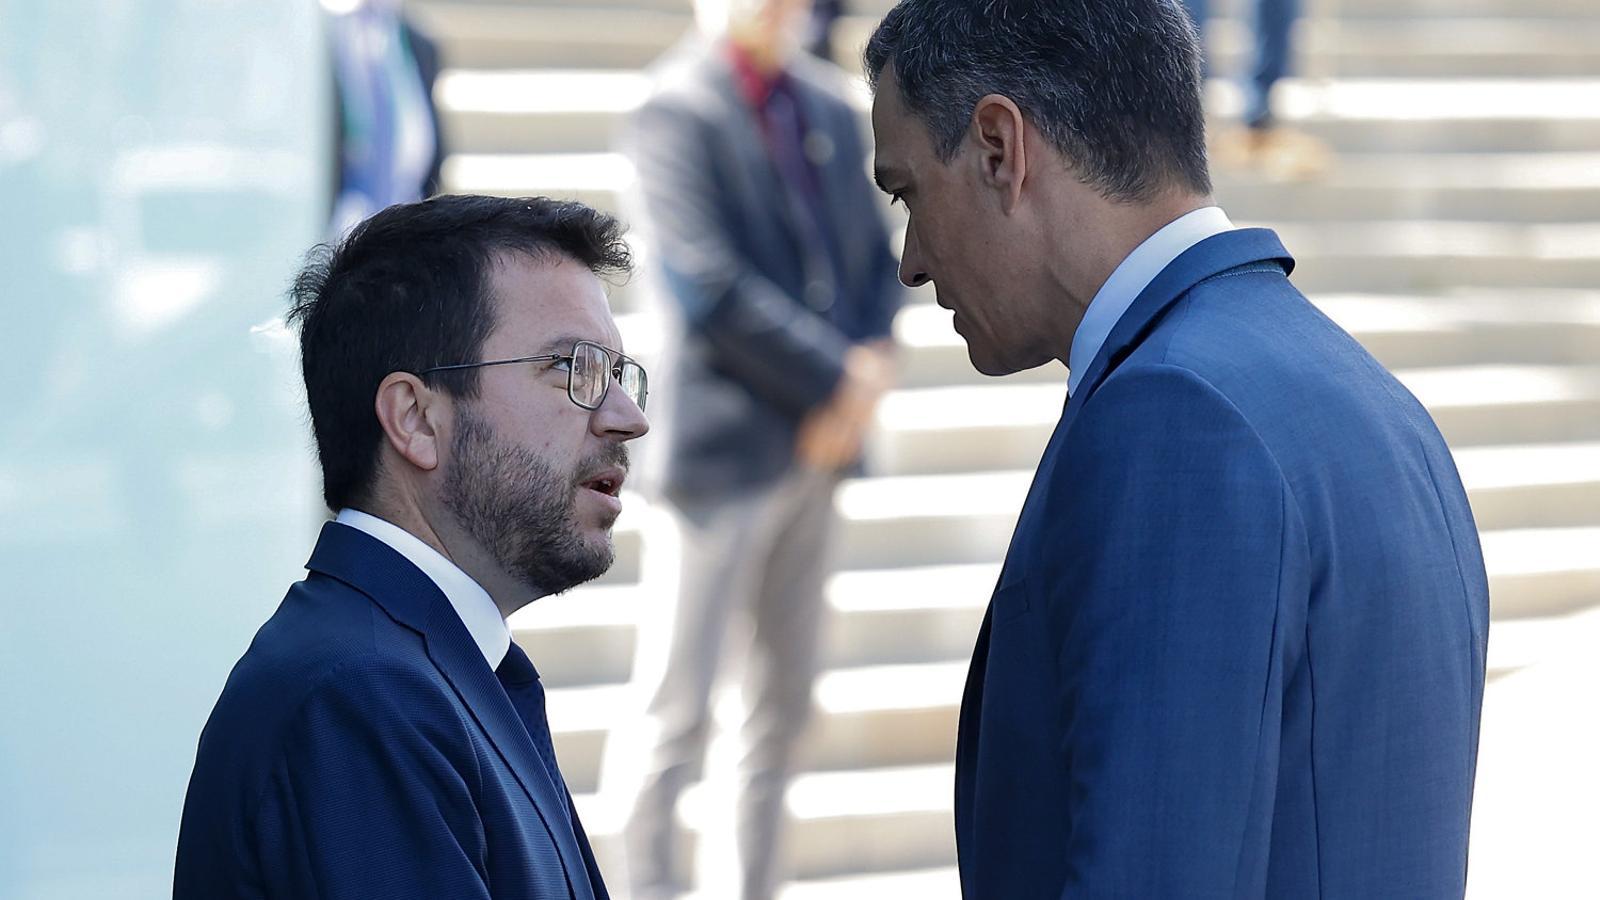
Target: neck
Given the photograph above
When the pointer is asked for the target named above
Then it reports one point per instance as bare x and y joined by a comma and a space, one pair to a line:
1102, 233
762, 55
405, 509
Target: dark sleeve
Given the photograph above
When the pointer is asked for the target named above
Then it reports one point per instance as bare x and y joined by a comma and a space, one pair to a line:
762, 336
1165, 587
374, 794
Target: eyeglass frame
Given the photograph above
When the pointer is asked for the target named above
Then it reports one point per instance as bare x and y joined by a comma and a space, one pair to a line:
613, 371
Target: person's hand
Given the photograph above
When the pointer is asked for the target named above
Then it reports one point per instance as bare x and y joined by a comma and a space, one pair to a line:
831, 435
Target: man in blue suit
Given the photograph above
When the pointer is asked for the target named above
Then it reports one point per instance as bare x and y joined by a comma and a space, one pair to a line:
1237, 645
383, 736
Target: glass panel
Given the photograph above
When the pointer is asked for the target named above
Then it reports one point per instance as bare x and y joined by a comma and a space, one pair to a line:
157, 493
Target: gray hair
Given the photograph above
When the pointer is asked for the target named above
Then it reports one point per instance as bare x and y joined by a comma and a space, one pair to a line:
1114, 85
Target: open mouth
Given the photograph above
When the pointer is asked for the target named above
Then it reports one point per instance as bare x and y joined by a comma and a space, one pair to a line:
608, 482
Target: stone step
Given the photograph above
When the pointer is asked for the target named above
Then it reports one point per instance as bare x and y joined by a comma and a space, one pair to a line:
893, 821
1403, 332
926, 520
900, 525
931, 614
1377, 9
1482, 187
571, 110
896, 719
1509, 187
1425, 46
898, 638
839, 819
1005, 426
1312, 10
1529, 487
500, 35
1359, 46
1463, 115
885, 715
897, 715
866, 717
872, 820
443, 7
923, 884
858, 821
490, 35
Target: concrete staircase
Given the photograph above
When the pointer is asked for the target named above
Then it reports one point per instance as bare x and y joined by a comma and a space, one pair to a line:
1458, 236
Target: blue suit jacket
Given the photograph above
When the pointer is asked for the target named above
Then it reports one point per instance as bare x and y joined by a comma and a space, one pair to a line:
363, 748
756, 353
1237, 646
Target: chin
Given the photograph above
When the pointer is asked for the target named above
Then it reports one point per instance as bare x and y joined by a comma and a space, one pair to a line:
986, 361
986, 366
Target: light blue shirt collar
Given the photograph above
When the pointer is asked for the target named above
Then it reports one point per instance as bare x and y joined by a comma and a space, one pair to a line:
471, 602
1130, 279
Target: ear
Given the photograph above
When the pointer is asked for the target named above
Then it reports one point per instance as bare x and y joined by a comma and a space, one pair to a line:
410, 413
997, 129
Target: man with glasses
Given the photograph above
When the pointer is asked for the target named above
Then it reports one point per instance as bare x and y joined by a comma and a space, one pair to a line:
383, 736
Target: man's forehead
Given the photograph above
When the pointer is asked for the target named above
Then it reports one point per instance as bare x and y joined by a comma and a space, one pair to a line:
887, 107
893, 131
553, 303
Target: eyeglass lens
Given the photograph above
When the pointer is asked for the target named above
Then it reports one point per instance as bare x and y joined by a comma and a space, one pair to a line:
591, 374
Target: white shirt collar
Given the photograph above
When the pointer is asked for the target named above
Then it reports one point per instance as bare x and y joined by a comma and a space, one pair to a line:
1130, 279
470, 601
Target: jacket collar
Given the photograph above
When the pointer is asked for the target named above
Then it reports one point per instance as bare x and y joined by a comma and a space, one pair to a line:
412, 599
1212, 256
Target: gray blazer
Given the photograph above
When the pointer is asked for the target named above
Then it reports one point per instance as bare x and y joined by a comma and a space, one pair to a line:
755, 350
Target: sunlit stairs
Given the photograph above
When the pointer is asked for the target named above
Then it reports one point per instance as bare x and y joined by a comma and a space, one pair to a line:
1457, 236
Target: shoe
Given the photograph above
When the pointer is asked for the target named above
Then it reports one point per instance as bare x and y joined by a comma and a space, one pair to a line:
1275, 152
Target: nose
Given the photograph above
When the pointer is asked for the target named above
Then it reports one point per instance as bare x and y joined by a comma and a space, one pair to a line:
912, 271
618, 418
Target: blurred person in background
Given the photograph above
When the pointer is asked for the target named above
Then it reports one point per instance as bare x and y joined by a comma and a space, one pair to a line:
1262, 143
776, 261
825, 14
389, 146
383, 736
1237, 645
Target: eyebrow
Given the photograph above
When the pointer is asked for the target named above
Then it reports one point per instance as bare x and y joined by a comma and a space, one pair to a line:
563, 343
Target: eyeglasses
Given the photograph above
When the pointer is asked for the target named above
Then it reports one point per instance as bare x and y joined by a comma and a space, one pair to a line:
590, 369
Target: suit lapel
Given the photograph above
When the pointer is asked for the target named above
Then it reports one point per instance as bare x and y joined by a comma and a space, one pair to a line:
412, 599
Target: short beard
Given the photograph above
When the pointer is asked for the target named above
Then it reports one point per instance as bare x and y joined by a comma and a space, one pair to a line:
521, 511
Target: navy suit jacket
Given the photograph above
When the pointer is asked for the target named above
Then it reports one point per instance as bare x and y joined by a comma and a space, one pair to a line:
363, 748
756, 351
1237, 645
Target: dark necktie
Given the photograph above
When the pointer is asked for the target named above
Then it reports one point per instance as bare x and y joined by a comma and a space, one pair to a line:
521, 681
